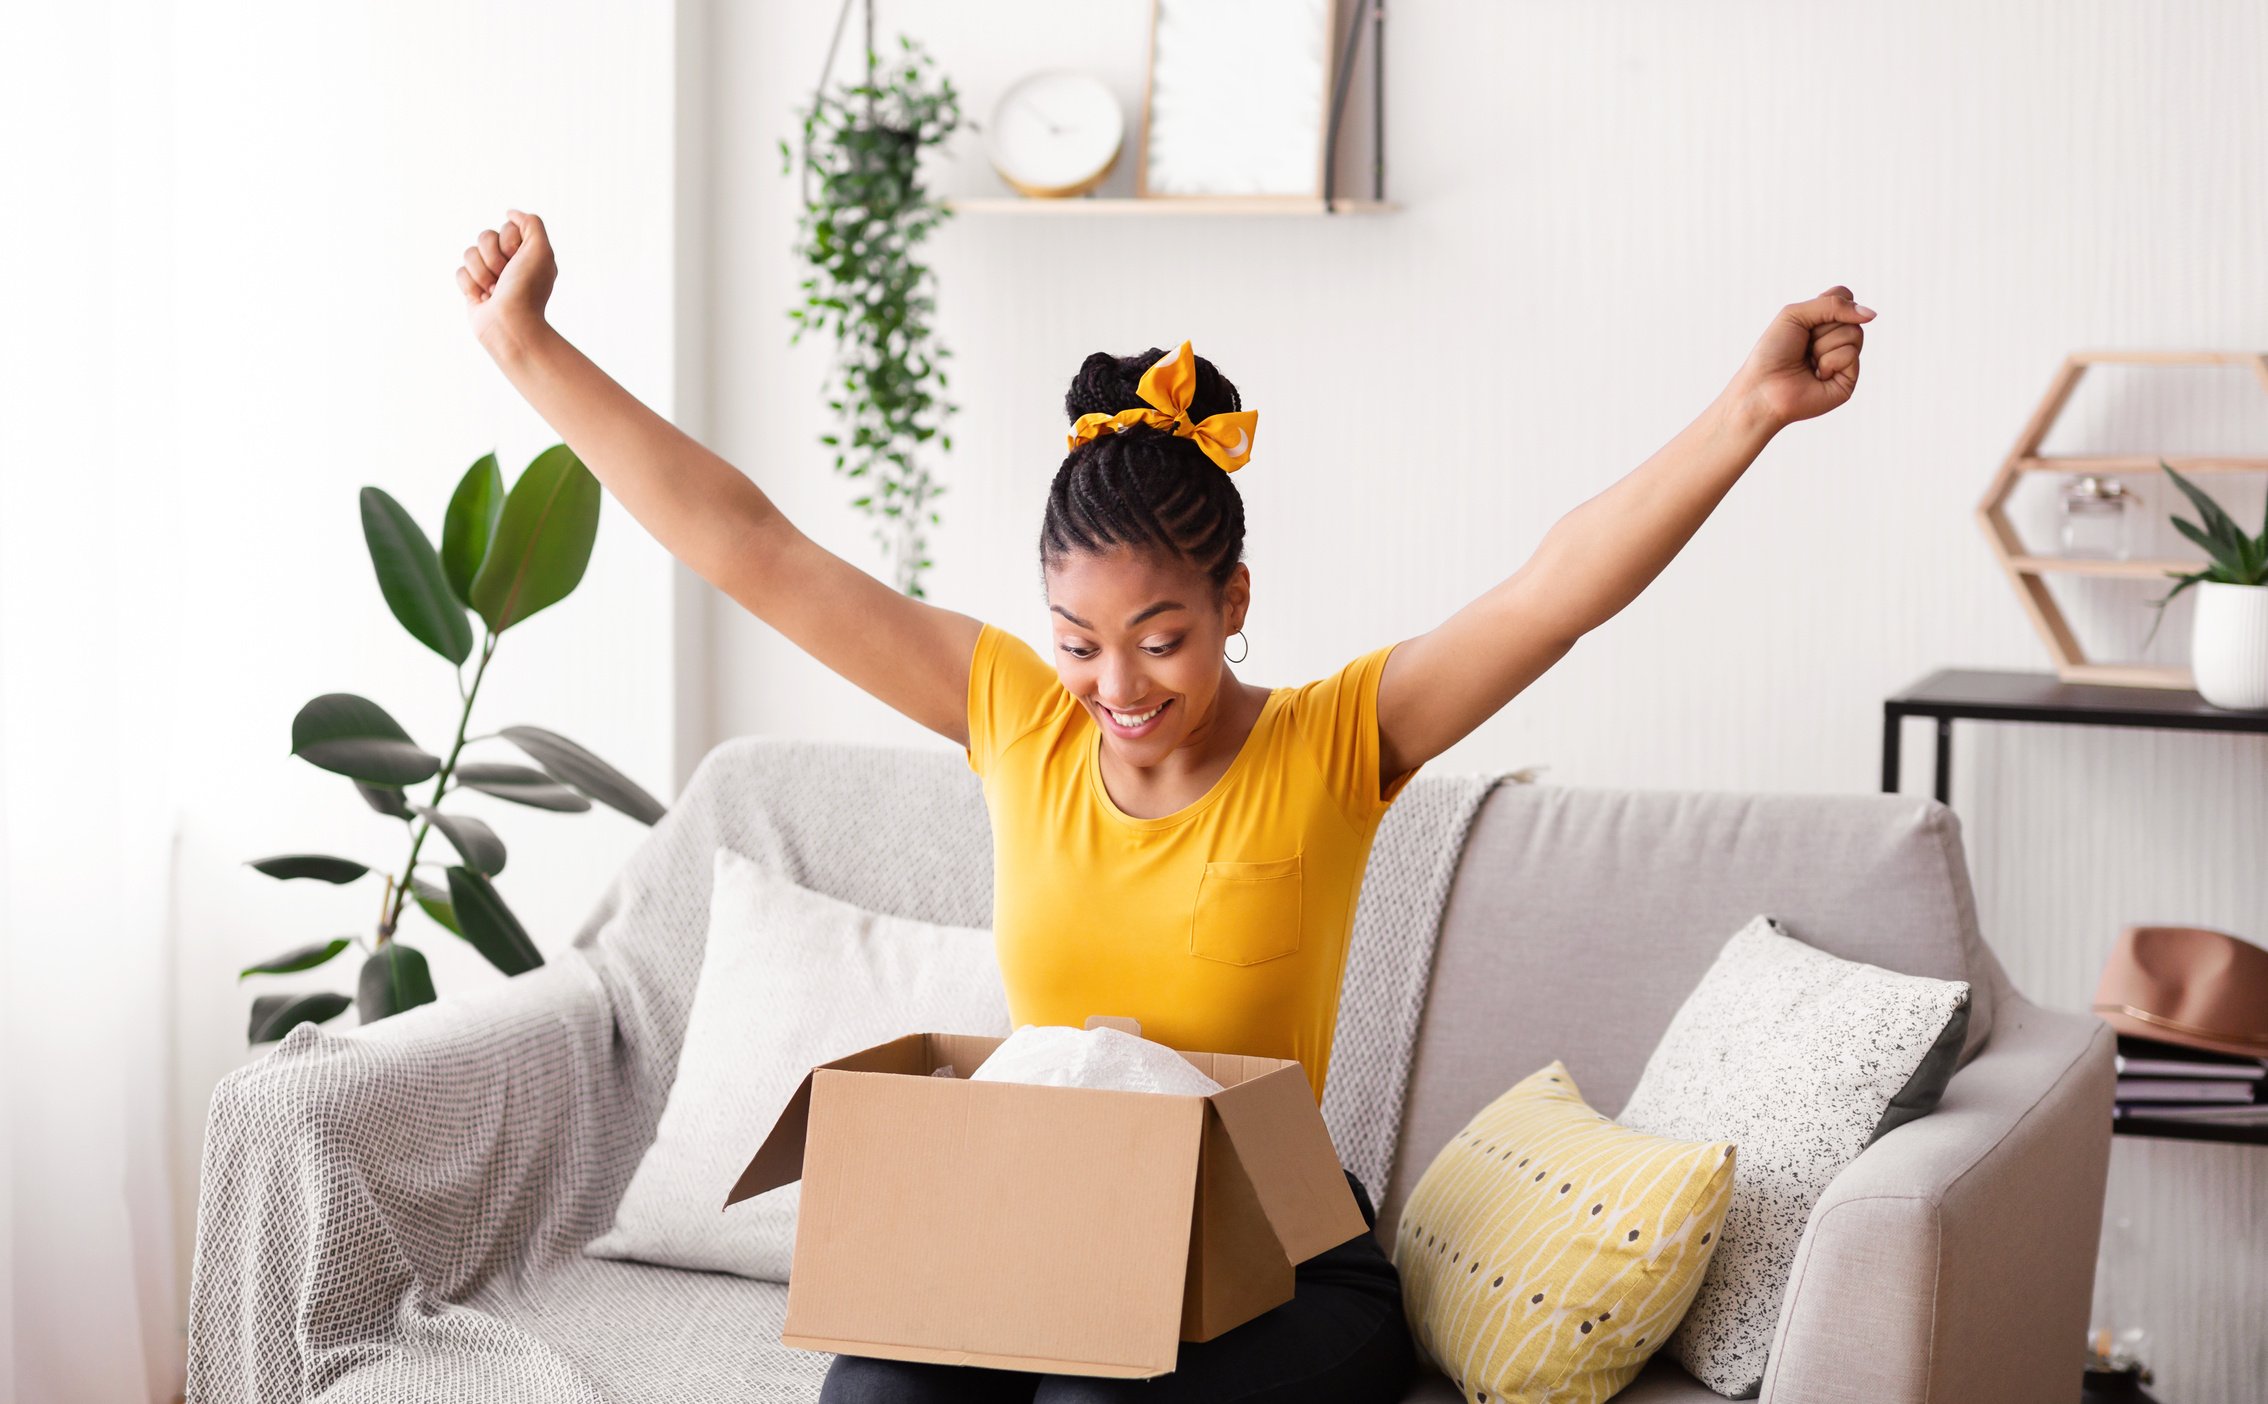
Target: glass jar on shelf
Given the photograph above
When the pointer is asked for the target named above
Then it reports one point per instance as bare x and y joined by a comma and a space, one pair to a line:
2098, 518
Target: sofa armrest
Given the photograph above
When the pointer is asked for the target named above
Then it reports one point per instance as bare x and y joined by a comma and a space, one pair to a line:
352, 1178
1954, 1259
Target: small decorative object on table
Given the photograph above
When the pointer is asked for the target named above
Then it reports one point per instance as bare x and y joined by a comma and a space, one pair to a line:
2115, 1371
2229, 634
2098, 521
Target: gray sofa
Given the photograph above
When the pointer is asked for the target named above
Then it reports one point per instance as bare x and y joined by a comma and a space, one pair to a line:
397, 1211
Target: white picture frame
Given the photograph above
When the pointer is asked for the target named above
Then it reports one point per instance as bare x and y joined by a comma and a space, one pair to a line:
1237, 101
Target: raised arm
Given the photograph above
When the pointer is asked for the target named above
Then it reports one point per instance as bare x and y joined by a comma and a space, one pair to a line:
707, 513
1440, 685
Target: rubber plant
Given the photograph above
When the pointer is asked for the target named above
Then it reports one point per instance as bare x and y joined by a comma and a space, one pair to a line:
503, 558
865, 213
2237, 559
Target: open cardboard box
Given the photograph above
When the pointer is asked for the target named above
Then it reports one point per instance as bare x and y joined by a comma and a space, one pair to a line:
1068, 1230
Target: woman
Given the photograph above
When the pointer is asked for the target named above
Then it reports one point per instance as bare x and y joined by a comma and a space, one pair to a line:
1170, 842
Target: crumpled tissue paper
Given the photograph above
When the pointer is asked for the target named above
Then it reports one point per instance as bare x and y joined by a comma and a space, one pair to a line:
1058, 1055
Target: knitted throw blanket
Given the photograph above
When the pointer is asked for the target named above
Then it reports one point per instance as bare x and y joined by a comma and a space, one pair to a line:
398, 1210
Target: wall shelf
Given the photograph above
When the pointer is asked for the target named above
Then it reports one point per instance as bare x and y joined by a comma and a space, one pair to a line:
2097, 565
2028, 572
1092, 205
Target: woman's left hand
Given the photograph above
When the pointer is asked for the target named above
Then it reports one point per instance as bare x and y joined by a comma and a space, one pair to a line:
1807, 361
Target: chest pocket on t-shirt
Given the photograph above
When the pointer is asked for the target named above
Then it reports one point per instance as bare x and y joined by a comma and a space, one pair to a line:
1247, 912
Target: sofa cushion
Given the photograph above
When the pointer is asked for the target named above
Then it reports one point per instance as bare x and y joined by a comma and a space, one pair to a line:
1579, 919
1547, 1252
789, 978
1803, 1059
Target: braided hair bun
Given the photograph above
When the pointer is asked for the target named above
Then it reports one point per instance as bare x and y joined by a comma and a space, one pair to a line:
1143, 487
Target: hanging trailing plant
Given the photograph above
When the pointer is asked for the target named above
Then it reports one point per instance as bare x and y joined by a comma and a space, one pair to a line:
860, 231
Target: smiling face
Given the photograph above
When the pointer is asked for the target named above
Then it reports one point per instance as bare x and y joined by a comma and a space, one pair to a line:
1136, 634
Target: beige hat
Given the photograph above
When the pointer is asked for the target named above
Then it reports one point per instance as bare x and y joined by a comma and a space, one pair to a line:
2188, 985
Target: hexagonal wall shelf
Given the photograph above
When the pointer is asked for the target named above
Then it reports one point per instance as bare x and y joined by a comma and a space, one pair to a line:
2028, 572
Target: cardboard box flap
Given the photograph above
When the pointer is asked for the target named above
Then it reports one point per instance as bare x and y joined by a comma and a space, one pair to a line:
1288, 1158
779, 1160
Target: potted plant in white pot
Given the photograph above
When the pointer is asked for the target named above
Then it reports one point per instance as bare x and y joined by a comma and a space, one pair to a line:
2228, 651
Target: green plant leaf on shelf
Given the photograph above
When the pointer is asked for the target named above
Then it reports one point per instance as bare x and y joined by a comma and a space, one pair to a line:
320, 866
475, 842
543, 540
275, 1015
521, 784
566, 761
470, 525
305, 958
386, 799
2218, 523
434, 902
393, 979
2214, 547
353, 736
489, 924
409, 576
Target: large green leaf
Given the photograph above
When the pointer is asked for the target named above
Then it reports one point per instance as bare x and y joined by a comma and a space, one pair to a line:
305, 958
471, 524
386, 799
489, 924
586, 772
520, 784
353, 736
409, 576
310, 865
474, 841
2218, 524
395, 978
543, 540
274, 1015
434, 902
2223, 555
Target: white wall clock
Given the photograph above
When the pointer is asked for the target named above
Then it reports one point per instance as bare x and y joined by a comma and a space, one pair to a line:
1055, 134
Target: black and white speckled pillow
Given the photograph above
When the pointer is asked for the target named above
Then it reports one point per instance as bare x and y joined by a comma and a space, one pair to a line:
1802, 1059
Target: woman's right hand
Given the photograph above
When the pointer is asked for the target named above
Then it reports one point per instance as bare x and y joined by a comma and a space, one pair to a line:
507, 277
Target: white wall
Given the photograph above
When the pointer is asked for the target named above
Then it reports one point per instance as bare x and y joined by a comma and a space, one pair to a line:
241, 310
1603, 204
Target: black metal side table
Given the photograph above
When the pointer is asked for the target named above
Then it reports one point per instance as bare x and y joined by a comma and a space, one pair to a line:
1986, 695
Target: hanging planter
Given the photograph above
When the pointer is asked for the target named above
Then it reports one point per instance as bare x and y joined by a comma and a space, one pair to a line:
865, 215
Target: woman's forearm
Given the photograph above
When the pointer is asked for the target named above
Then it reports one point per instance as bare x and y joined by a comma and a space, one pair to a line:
700, 508
1601, 555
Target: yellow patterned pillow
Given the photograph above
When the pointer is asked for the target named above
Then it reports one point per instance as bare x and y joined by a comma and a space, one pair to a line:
1547, 1251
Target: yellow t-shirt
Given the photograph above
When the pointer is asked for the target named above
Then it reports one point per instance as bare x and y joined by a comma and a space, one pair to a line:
1222, 927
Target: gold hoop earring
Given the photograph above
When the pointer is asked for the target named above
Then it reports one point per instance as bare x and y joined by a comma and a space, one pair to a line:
1247, 648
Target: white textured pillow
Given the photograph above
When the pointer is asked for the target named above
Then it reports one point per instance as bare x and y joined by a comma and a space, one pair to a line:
1803, 1059
790, 978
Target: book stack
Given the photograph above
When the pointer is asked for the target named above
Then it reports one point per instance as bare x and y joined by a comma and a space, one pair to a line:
2171, 1082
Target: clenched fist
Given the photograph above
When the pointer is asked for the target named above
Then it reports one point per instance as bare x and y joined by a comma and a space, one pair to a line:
507, 277
1807, 361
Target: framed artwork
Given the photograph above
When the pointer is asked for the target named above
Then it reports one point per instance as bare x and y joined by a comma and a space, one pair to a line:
1238, 98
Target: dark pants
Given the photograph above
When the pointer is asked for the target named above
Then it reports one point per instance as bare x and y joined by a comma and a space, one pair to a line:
1341, 1339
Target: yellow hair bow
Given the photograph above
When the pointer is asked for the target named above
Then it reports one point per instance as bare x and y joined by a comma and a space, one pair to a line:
1169, 385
